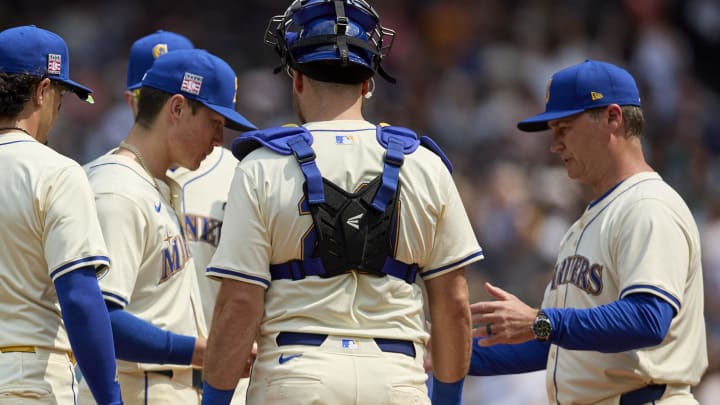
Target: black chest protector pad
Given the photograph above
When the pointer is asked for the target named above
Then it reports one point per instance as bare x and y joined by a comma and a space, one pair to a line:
351, 234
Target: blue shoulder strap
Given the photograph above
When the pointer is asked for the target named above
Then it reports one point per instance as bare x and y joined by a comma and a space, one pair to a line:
398, 142
286, 140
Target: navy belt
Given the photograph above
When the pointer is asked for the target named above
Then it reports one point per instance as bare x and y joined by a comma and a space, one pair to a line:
405, 347
196, 376
648, 393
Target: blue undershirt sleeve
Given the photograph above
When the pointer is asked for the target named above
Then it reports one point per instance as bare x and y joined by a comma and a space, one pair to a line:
633, 322
141, 341
508, 359
88, 327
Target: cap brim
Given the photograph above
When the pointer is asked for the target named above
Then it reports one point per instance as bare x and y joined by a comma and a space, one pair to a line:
135, 86
81, 91
540, 121
233, 119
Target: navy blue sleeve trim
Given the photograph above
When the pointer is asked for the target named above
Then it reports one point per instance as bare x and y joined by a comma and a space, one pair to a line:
140, 341
457, 263
508, 359
102, 260
88, 327
114, 297
633, 289
213, 271
633, 322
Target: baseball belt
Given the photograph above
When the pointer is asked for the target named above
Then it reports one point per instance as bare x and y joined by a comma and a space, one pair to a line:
33, 349
405, 347
644, 395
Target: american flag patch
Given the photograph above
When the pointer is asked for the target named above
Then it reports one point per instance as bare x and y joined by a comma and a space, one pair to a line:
54, 66
350, 344
192, 83
345, 140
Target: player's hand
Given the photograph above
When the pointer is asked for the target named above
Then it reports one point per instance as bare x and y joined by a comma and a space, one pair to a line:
427, 359
509, 319
250, 361
199, 352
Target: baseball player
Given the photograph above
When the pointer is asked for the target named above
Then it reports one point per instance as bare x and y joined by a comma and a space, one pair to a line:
622, 316
186, 99
329, 228
53, 251
204, 191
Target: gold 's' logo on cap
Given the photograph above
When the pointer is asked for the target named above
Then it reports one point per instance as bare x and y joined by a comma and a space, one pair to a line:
159, 49
596, 96
547, 91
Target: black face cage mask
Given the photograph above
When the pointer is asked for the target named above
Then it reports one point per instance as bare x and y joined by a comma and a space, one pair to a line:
379, 43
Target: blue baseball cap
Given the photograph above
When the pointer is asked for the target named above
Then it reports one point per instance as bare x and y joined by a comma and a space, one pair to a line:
31, 50
581, 87
200, 76
145, 50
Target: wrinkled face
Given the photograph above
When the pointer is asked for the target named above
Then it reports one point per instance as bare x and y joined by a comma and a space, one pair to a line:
578, 141
197, 135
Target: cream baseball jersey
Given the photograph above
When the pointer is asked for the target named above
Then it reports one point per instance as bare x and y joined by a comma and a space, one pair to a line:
153, 273
204, 196
48, 216
267, 198
640, 237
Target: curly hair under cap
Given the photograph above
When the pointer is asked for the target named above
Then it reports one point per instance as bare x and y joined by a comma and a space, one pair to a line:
16, 89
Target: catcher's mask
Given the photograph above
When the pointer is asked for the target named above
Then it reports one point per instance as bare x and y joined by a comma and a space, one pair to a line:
338, 41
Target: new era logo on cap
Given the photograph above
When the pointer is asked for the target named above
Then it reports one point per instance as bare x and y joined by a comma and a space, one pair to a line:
191, 83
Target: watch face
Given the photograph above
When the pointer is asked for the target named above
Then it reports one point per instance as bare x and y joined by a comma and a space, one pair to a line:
542, 327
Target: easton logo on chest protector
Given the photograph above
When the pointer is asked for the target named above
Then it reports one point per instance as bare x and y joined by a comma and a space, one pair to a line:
354, 231
355, 221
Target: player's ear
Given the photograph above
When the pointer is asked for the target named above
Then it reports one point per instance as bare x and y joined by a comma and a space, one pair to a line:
298, 80
41, 92
176, 105
614, 117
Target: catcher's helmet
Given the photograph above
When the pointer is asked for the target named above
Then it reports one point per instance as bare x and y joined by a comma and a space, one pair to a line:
338, 41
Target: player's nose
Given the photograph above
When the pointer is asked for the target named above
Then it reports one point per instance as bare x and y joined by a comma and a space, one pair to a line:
556, 144
218, 138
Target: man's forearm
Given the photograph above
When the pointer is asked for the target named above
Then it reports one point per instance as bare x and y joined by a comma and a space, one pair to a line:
237, 316
451, 326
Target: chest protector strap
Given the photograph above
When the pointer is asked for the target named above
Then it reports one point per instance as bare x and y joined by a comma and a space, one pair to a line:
355, 231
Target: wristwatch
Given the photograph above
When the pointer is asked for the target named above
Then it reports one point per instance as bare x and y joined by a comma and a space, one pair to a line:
541, 327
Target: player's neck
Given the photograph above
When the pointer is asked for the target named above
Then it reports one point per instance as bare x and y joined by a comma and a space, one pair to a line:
621, 170
152, 153
330, 112
26, 125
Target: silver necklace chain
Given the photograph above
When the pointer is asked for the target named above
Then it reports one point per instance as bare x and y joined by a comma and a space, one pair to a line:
140, 159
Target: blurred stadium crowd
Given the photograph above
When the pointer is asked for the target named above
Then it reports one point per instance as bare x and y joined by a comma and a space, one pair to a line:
467, 70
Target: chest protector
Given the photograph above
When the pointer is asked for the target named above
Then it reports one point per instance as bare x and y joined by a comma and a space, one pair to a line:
354, 231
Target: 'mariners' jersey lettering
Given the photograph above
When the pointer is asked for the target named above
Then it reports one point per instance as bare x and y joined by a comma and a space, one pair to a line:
578, 270
202, 229
175, 255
